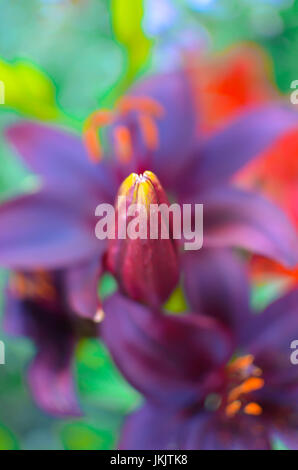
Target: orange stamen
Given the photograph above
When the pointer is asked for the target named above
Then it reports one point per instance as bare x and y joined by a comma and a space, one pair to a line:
148, 109
18, 283
142, 104
253, 409
43, 286
38, 285
92, 144
123, 143
250, 385
100, 118
233, 408
91, 138
235, 393
241, 363
149, 131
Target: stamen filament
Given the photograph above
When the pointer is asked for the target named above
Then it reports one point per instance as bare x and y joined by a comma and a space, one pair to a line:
123, 143
90, 134
233, 408
149, 131
250, 385
147, 110
92, 144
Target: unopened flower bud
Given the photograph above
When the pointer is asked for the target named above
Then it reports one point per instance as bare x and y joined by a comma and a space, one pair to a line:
144, 256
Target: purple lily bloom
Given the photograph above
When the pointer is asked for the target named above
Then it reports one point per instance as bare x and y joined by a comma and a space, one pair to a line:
37, 306
219, 378
54, 228
155, 129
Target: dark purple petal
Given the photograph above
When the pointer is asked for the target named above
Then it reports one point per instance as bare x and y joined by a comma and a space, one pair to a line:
51, 371
39, 230
226, 152
51, 377
216, 284
233, 217
150, 428
178, 128
60, 158
167, 358
208, 431
269, 337
157, 428
14, 321
82, 286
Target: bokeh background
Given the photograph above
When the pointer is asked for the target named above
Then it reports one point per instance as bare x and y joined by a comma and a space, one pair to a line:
59, 61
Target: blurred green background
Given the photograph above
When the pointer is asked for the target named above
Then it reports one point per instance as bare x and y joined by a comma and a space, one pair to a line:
60, 60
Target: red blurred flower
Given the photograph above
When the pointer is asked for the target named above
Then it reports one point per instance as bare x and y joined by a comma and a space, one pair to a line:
232, 82
275, 173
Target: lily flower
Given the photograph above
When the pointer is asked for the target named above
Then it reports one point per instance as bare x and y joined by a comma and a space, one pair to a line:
153, 128
217, 378
37, 306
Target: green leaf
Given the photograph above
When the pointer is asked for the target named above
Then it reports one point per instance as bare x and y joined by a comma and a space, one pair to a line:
127, 16
100, 382
107, 286
27, 89
281, 48
278, 445
82, 436
264, 294
7, 439
177, 302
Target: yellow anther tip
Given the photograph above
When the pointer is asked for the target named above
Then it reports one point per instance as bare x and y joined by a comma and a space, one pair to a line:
253, 409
